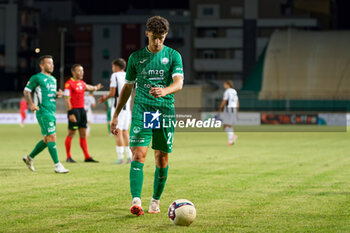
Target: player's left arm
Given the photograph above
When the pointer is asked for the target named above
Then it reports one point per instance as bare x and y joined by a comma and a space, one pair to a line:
93, 88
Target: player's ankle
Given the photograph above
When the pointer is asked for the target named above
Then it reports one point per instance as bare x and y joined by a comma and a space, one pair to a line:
136, 201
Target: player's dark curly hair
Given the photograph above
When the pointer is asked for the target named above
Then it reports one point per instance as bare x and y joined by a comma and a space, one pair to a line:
42, 58
119, 62
157, 25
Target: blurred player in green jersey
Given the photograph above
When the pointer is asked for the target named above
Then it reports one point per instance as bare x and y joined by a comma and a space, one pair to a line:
157, 71
45, 87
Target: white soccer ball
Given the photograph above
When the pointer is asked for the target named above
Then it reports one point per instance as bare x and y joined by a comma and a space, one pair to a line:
182, 212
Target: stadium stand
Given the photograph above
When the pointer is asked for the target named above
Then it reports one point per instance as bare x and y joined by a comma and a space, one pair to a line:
311, 68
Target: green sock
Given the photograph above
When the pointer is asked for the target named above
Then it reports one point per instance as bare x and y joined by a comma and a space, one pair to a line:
37, 149
136, 178
109, 128
53, 151
160, 176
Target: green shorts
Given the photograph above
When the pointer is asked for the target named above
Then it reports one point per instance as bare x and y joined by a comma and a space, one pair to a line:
47, 124
162, 137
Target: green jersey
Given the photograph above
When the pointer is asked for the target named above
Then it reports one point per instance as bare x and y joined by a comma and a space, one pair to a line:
45, 88
149, 69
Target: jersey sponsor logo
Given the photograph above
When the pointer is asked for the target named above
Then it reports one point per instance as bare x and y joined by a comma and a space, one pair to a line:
165, 60
143, 61
179, 68
156, 72
144, 73
51, 86
153, 85
151, 120
156, 78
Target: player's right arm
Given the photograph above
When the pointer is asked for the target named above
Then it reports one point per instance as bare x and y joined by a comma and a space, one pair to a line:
123, 98
27, 92
224, 101
67, 98
112, 90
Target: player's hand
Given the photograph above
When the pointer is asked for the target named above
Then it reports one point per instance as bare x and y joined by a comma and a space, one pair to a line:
99, 86
157, 92
102, 99
114, 124
33, 107
72, 118
59, 93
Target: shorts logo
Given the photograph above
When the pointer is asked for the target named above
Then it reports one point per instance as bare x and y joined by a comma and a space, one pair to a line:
151, 120
165, 60
136, 129
51, 129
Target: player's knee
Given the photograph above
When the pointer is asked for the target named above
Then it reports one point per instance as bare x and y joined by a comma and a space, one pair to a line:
50, 138
138, 155
71, 133
82, 133
161, 159
125, 135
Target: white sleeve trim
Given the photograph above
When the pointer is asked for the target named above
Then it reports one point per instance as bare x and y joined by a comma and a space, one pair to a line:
129, 82
177, 74
27, 89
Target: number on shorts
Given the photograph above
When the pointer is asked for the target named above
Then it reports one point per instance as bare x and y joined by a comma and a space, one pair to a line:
170, 138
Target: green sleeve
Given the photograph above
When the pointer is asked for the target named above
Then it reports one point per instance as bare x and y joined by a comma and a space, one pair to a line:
177, 67
131, 70
32, 83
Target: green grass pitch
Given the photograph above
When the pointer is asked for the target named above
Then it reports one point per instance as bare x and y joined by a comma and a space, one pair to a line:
267, 182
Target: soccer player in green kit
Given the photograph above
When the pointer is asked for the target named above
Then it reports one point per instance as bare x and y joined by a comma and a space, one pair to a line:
157, 71
44, 85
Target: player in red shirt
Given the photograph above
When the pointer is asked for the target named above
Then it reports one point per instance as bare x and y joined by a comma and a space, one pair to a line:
23, 108
74, 90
